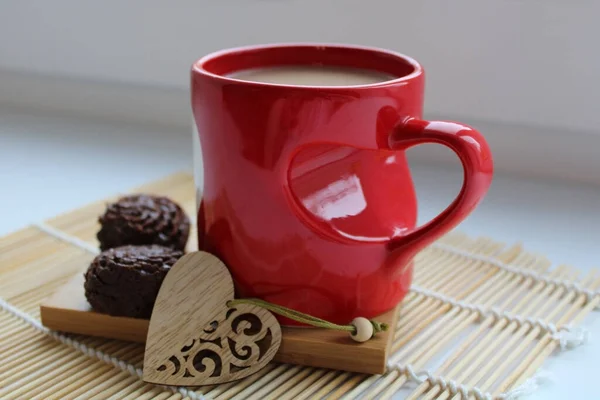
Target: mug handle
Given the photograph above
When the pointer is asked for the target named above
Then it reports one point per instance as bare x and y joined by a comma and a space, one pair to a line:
472, 150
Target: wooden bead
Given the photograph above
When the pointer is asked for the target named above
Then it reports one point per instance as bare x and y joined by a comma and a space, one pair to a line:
364, 329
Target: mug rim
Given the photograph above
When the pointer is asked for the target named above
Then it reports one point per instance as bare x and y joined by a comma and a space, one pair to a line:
204, 65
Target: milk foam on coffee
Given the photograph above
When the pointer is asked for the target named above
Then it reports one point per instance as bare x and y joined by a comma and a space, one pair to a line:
313, 75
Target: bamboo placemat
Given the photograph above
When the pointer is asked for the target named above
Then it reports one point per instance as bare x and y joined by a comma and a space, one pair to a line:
479, 322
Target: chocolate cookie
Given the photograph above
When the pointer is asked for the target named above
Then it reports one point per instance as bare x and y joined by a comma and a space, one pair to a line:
143, 219
124, 281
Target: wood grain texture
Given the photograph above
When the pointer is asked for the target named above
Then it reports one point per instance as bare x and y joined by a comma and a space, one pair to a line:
67, 310
195, 338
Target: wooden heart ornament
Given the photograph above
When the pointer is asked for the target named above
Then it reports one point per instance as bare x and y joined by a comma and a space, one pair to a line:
195, 339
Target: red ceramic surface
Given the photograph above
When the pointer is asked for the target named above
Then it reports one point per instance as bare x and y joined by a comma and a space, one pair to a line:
307, 193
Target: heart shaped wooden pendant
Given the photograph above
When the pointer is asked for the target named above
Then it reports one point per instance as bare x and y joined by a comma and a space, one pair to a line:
195, 339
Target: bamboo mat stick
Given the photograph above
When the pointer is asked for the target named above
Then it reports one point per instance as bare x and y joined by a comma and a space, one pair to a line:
137, 386
66, 391
259, 392
28, 377
43, 367
436, 265
102, 387
214, 391
427, 311
167, 396
175, 396
463, 283
293, 393
438, 262
114, 391
279, 391
27, 253
341, 380
10, 327
47, 371
386, 380
221, 392
31, 304
155, 393
263, 380
34, 296
16, 240
45, 389
145, 392
64, 372
420, 306
27, 344
29, 361
39, 269
461, 268
349, 387
80, 389
462, 271
410, 308
331, 378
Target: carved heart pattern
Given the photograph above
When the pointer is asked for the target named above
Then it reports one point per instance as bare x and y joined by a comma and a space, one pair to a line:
195, 339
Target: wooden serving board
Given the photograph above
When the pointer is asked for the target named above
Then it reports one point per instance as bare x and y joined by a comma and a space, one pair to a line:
67, 310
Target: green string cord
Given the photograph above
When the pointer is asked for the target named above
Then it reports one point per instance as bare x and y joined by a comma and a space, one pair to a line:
305, 318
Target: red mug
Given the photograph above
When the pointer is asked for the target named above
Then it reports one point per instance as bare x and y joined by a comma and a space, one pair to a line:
307, 193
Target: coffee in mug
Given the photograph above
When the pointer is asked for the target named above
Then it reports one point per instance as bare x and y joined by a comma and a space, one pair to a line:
316, 75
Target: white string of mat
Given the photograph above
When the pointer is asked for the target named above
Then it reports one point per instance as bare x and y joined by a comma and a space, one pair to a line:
569, 285
566, 336
528, 387
75, 241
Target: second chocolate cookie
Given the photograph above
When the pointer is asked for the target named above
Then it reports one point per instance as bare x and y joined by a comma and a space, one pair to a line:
144, 219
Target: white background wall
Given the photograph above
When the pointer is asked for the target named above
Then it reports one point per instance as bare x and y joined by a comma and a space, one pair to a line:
530, 61
528, 70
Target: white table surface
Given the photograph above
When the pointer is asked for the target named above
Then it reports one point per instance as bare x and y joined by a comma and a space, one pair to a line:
51, 164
